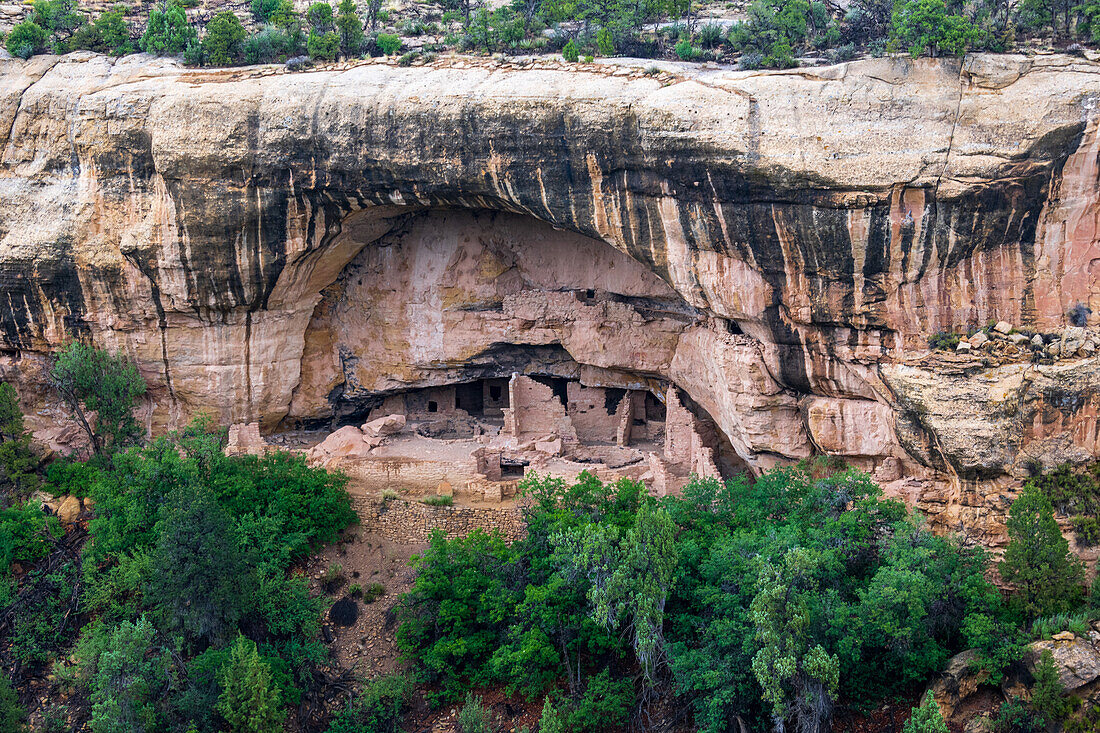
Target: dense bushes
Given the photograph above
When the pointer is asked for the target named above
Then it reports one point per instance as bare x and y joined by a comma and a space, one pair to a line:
765, 600
775, 34
187, 577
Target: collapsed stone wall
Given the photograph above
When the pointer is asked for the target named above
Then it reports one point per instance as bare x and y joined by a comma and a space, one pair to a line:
411, 522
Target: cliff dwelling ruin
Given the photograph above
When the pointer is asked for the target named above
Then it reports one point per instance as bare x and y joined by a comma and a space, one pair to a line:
474, 346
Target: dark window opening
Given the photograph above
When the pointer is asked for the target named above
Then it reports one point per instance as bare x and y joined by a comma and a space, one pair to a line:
433, 406
511, 469
470, 397
589, 294
733, 328
611, 397
654, 408
494, 392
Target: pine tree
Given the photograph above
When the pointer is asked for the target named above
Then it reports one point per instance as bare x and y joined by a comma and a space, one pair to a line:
200, 579
249, 701
350, 27
1048, 695
1037, 561
90, 379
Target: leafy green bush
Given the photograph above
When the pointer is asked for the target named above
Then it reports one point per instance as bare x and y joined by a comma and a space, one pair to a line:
168, 32
570, 52
41, 624
685, 50
605, 43
377, 709
1048, 694
26, 534
109, 34
388, 44
26, 39
223, 43
926, 26
373, 592
323, 46
944, 341
1015, 716
926, 719
12, 713
91, 379
126, 675
474, 717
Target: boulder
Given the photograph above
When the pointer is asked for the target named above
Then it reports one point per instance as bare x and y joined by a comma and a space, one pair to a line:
1003, 327
1018, 338
978, 340
962, 348
347, 442
69, 509
1037, 341
1078, 661
957, 682
383, 426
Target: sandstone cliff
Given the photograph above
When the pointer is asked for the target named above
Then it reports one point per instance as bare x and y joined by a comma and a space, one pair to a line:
288, 247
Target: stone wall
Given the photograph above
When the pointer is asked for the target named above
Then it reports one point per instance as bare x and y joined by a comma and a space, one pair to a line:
535, 410
410, 522
375, 473
589, 415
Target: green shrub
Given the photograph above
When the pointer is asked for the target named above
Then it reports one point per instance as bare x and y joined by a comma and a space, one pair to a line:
1048, 694
126, 676
685, 50
439, 500
377, 709
1037, 561
26, 535
373, 592
18, 463
605, 43
167, 31
41, 624
12, 713
474, 717
323, 46
943, 341
350, 27
570, 52
223, 43
1015, 716
710, 35
249, 701
388, 44
26, 39
926, 719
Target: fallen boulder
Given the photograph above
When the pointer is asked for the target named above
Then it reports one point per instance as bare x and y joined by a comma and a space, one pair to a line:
383, 426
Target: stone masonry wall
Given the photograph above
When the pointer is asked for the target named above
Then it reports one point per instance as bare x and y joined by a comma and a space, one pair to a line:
411, 522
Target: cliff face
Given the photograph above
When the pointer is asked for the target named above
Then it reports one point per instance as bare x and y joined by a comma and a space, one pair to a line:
286, 247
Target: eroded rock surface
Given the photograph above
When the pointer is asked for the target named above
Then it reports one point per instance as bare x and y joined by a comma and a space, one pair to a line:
290, 249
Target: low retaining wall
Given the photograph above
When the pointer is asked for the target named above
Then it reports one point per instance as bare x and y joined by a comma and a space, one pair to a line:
410, 522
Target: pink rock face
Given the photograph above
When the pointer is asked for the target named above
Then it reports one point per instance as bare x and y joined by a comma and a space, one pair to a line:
285, 249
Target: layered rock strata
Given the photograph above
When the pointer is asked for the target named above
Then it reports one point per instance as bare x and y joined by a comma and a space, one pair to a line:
285, 248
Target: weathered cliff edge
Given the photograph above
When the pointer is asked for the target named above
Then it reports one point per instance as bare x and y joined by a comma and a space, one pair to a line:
277, 246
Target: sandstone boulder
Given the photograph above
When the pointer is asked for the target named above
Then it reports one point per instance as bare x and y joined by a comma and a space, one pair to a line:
383, 426
978, 340
963, 348
347, 442
1077, 659
957, 682
1003, 327
69, 509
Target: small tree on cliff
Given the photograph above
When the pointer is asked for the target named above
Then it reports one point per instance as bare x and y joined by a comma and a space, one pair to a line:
17, 461
1037, 560
90, 379
168, 31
